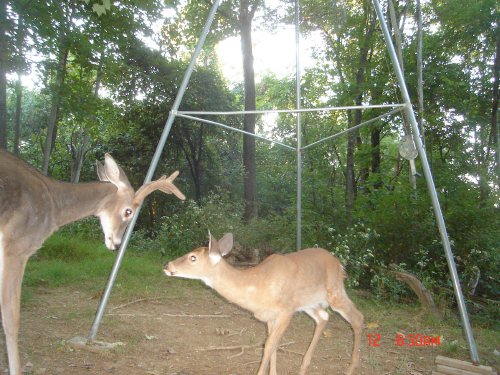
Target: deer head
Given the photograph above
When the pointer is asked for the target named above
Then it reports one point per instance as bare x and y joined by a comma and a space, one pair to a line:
118, 209
201, 263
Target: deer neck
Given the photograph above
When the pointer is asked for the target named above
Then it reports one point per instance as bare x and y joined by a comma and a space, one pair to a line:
236, 285
76, 201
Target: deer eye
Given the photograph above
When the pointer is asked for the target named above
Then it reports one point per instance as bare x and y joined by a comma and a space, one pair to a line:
192, 258
128, 212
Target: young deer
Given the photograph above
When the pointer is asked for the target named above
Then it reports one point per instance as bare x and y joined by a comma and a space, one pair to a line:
33, 206
308, 280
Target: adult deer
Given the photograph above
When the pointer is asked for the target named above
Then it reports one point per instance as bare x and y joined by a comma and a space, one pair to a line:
308, 280
33, 206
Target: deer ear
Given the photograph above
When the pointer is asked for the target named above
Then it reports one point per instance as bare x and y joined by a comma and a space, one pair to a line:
113, 173
213, 249
100, 171
226, 244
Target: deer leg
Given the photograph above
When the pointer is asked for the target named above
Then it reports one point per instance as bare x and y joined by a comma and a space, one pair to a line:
272, 363
320, 316
276, 329
272, 360
340, 302
11, 279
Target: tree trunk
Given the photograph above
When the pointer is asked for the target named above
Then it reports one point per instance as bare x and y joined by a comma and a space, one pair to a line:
193, 154
17, 124
56, 100
249, 179
420, 80
423, 294
375, 157
357, 90
495, 136
3, 72
19, 88
80, 142
350, 190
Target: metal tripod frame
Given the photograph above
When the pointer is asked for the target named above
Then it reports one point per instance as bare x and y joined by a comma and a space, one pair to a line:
406, 107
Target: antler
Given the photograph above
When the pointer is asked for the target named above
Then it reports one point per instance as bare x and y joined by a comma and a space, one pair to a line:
163, 183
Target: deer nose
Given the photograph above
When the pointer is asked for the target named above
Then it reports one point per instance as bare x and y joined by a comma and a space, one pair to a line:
111, 244
168, 269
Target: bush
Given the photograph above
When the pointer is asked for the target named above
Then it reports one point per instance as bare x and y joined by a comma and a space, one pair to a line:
355, 250
188, 229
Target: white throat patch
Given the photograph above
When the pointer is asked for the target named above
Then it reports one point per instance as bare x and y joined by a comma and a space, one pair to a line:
214, 258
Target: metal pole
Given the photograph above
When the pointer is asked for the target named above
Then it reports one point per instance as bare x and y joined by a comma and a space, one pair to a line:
364, 123
151, 171
299, 125
209, 122
430, 186
265, 111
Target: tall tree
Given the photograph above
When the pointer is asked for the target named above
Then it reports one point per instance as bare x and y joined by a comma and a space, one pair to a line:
365, 44
495, 134
20, 68
420, 80
237, 16
3, 73
63, 46
246, 16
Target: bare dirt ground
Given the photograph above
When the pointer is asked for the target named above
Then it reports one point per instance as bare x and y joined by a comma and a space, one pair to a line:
195, 332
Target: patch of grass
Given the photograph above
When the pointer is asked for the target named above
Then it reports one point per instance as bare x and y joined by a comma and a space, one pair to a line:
450, 347
66, 260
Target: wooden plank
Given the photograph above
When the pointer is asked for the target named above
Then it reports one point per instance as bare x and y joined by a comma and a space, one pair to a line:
455, 371
463, 365
434, 372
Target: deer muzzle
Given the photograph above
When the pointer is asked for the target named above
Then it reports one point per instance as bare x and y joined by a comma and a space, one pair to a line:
169, 269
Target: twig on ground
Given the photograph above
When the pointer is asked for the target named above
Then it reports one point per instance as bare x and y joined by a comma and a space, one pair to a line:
213, 348
87, 366
128, 304
290, 351
170, 315
237, 333
134, 302
237, 355
243, 347
249, 363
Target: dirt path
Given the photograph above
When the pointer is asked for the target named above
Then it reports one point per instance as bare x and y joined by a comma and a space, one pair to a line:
197, 333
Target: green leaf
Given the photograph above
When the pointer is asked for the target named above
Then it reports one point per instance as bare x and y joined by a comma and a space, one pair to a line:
99, 9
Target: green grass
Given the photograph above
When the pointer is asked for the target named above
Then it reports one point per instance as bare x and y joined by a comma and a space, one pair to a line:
65, 261
70, 260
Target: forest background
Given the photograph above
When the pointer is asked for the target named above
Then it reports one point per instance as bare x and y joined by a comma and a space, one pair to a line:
81, 78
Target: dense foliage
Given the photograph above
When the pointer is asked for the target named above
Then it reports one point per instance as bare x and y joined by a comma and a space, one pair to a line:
107, 74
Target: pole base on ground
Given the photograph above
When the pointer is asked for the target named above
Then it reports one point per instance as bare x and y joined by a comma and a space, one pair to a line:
94, 345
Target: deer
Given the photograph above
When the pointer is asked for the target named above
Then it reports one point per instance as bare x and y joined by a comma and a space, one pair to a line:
308, 281
33, 206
